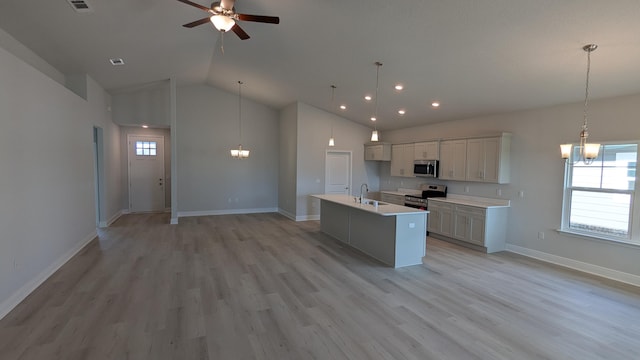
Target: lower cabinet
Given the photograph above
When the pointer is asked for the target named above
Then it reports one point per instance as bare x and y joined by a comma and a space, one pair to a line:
468, 224
392, 198
440, 218
480, 227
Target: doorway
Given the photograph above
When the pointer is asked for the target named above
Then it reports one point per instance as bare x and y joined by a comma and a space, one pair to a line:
337, 172
146, 173
98, 174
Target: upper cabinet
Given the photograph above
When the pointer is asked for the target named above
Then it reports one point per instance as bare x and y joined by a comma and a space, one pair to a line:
402, 160
426, 150
488, 159
453, 159
377, 152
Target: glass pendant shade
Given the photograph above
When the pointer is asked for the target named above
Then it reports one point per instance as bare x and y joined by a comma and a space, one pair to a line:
565, 149
590, 151
240, 153
332, 142
222, 23
374, 135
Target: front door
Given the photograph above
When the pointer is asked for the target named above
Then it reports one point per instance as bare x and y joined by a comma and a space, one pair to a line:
146, 173
338, 172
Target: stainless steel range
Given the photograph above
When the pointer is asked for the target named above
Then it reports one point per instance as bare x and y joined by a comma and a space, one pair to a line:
419, 201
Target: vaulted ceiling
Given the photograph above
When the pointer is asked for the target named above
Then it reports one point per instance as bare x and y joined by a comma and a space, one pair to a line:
474, 56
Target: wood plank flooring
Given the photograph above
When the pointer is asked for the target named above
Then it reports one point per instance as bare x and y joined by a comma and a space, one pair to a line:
261, 286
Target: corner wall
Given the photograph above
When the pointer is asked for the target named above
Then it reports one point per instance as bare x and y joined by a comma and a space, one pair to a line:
47, 203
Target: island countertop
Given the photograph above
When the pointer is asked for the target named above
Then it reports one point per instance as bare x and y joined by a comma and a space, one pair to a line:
383, 208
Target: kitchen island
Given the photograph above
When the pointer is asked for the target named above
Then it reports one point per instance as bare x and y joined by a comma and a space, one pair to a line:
393, 234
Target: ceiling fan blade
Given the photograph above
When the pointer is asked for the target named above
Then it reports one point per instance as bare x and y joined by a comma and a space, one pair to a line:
241, 33
259, 18
195, 5
196, 23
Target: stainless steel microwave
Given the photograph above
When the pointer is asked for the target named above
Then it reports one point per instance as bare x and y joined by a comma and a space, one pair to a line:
425, 168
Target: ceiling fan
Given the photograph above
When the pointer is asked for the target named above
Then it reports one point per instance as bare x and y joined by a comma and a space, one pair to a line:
224, 17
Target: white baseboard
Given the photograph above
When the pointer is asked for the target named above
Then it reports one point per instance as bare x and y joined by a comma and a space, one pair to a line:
114, 218
174, 221
576, 265
17, 297
225, 212
287, 214
307, 217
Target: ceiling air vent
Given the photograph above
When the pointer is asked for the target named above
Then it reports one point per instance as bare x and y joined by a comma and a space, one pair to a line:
81, 6
116, 61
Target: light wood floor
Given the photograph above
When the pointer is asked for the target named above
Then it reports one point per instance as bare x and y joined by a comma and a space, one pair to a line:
264, 287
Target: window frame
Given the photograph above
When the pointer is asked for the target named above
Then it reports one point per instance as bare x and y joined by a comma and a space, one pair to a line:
633, 237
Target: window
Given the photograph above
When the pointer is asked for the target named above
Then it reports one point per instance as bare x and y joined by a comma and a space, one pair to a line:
146, 148
599, 198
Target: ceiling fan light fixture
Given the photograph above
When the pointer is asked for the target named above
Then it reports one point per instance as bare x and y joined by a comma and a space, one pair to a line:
222, 23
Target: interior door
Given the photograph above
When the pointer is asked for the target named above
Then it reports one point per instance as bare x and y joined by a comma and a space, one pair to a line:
146, 173
338, 172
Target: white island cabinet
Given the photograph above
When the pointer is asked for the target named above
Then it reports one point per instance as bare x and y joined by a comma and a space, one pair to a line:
393, 234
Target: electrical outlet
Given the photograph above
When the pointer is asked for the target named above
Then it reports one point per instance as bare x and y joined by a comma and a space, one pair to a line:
466, 189
541, 235
521, 194
499, 192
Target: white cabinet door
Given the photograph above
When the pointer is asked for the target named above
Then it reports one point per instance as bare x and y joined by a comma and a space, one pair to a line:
453, 159
402, 160
488, 159
469, 224
426, 150
440, 216
377, 152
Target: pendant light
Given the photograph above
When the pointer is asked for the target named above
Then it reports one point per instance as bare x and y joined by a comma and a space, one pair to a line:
587, 152
374, 133
240, 153
332, 142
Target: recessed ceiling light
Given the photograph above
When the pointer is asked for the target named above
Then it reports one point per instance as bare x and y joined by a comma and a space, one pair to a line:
145, 126
435, 104
401, 112
399, 87
373, 118
116, 61
367, 97
343, 107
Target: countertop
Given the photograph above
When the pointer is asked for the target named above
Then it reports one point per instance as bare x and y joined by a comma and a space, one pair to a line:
475, 201
383, 209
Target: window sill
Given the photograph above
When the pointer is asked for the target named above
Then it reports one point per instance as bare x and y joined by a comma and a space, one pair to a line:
630, 243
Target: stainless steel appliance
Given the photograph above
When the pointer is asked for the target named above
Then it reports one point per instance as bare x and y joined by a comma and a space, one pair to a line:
419, 201
425, 168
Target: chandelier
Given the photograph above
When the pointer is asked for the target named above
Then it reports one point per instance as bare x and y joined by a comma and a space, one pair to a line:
587, 152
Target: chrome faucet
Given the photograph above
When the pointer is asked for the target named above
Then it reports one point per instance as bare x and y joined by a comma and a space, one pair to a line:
366, 188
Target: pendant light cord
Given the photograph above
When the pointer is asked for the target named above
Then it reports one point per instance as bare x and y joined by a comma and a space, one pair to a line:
333, 90
586, 88
378, 64
240, 110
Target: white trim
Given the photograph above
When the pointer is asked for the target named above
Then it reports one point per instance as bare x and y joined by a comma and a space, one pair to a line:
174, 221
287, 214
114, 218
576, 265
22, 293
307, 217
225, 212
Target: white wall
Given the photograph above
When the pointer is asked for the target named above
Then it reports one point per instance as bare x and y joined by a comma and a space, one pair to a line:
314, 130
210, 180
537, 170
47, 205
143, 105
287, 166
